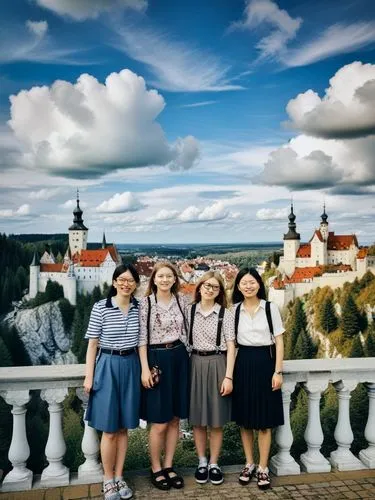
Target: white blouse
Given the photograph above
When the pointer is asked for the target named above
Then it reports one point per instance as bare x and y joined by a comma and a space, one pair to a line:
254, 331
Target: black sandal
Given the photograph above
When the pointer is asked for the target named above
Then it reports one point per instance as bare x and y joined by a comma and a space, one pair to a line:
162, 484
174, 481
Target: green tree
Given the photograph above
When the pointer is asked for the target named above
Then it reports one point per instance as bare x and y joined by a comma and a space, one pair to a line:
67, 313
305, 347
328, 318
296, 322
350, 317
54, 291
5, 357
357, 349
370, 340
298, 421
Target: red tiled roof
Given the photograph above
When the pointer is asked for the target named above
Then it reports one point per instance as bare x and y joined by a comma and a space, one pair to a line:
144, 268
51, 268
302, 273
278, 284
341, 241
185, 268
187, 288
93, 258
362, 253
318, 234
304, 250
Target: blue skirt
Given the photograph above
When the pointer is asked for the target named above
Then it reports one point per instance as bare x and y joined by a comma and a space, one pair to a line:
170, 397
254, 404
115, 396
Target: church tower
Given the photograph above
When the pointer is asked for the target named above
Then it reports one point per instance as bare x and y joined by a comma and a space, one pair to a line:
291, 244
34, 276
324, 224
77, 231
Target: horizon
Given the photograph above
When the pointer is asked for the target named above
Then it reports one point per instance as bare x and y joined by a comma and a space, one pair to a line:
176, 126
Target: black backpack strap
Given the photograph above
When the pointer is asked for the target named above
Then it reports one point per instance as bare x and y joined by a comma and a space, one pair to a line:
219, 327
237, 320
183, 315
269, 319
148, 319
192, 317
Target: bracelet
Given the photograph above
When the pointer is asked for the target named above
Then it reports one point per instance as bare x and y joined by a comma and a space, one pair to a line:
278, 373
229, 378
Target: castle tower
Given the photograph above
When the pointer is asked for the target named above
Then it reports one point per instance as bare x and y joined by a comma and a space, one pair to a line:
77, 231
291, 244
70, 286
104, 242
324, 224
34, 276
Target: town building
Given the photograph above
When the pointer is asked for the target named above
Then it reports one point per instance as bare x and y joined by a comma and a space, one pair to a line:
82, 268
327, 259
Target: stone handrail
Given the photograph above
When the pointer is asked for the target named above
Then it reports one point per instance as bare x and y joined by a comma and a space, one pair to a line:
313, 375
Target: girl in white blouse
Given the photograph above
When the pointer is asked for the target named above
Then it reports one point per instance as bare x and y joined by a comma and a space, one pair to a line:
257, 378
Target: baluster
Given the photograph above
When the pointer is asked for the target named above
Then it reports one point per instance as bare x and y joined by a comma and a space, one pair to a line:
342, 458
91, 470
367, 455
55, 474
20, 477
283, 463
313, 460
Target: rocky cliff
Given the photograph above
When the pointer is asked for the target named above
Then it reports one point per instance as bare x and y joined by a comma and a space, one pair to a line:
42, 332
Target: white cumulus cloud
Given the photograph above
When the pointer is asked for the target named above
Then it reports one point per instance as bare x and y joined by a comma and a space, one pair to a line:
272, 213
87, 129
346, 110
216, 211
19, 212
79, 10
124, 202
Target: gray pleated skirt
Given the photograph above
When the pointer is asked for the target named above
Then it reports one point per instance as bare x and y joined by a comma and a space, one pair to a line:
207, 406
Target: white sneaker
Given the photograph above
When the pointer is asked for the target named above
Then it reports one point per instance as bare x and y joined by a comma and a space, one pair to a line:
124, 491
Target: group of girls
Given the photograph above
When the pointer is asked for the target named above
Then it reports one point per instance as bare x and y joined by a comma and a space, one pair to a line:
163, 359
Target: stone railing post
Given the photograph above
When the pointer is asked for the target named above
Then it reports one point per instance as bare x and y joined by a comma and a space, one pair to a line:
283, 463
342, 458
20, 477
91, 470
313, 460
367, 455
55, 474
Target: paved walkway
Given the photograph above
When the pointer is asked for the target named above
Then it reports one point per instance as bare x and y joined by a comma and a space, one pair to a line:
330, 486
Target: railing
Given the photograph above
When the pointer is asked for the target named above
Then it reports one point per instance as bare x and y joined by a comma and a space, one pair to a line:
313, 375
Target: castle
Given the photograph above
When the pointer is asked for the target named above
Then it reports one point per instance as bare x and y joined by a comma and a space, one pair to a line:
326, 260
81, 270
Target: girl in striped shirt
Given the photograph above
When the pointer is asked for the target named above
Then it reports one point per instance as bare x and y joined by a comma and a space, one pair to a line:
113, 376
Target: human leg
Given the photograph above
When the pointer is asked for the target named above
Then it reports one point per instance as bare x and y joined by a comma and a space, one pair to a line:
247, 438
171, 440
200, 439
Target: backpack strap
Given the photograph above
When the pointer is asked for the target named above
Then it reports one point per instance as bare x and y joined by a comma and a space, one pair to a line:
182, 312
148, 319
192, 317
269, 320
237, 320
219, 327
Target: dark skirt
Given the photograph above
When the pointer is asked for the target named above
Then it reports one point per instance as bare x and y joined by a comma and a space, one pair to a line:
207, 406
254, 404
115, 396
170, 397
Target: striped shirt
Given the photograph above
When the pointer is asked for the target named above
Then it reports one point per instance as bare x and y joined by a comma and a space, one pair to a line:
112, 327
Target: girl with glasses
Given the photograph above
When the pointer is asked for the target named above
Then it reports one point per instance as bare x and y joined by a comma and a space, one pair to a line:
257, 378
165, 364
112, 376
211, 340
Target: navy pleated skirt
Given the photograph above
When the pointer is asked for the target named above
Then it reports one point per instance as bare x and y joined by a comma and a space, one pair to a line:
254, 404
114, 401
170, 397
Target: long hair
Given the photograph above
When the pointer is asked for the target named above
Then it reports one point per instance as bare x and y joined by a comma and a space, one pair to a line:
221, 298
152, 288
237, 295
122, 268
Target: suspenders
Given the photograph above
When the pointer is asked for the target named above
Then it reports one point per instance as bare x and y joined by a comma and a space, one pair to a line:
219, 326
269, 320
149, 316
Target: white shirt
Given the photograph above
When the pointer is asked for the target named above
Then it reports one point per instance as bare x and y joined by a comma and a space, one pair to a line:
254, 331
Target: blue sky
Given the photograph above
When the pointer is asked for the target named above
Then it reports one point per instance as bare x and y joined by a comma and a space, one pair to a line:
189, 121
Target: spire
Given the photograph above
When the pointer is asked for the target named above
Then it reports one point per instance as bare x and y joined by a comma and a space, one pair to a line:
104, 242
324, 216
35, 261
292, 233
77, 220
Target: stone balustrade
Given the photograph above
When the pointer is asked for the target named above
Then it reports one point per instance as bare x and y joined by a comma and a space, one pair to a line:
313, 376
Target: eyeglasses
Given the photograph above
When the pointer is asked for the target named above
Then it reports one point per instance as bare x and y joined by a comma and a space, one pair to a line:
208, 287
122, 281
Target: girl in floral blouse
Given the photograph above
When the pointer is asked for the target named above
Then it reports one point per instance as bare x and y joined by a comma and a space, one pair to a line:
162, 352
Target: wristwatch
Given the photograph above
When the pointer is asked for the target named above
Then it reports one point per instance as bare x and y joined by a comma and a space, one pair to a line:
278, 373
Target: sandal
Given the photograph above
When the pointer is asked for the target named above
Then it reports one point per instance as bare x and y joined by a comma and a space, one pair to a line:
162, 484
175, 481
245, 475
263, 479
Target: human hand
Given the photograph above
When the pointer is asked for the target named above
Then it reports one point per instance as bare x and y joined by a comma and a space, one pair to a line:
226, 386
87, 384
277, 381
146, 379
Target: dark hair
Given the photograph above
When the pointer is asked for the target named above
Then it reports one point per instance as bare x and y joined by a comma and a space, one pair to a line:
152, 288
122, 268
237, 295
221, 298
